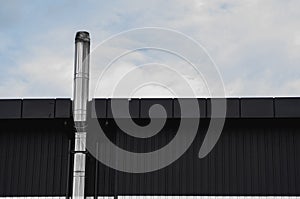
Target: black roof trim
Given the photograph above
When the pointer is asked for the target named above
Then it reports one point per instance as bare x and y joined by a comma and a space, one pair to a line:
257, 108
232, 109
10, 109
287, 107
236, 107
281, 107
35, 108
63, 108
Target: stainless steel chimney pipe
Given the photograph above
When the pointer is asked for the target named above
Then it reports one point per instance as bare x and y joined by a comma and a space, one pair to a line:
80, 100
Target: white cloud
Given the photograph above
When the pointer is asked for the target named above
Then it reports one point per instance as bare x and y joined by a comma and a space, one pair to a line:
254, 43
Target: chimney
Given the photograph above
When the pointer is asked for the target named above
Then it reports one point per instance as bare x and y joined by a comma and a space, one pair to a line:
80, 100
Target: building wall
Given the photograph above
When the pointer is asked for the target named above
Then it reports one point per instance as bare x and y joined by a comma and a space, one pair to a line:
252, 157
34, 157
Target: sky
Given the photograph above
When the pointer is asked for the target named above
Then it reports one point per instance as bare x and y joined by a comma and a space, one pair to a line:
255, 44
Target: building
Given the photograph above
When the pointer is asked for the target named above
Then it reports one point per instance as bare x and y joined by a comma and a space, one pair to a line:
48, 148
257, 154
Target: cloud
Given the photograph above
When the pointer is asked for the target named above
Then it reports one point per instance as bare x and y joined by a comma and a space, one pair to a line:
254, 43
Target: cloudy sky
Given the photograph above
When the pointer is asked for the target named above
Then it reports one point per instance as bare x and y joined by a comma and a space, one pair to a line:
254, 43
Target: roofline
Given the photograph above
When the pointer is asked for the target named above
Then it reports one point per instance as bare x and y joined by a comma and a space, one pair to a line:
254, 107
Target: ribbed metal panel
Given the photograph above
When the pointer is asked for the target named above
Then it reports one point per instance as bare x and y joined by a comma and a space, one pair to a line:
34, 157
252, 157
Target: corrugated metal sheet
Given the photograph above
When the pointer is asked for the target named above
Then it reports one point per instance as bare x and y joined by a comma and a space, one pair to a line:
34, 157
253, 157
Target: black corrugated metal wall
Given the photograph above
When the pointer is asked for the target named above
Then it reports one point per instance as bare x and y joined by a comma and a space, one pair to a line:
252, 157
35, 157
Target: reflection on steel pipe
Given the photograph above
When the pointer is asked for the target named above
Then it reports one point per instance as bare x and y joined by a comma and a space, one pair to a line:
81, 92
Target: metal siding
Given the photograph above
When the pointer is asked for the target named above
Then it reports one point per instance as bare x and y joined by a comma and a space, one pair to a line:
252, 157
32, 157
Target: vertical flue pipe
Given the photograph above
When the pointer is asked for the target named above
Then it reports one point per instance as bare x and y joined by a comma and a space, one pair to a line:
80, 100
